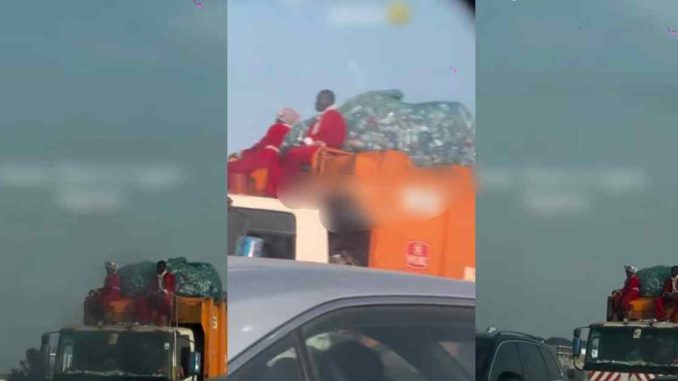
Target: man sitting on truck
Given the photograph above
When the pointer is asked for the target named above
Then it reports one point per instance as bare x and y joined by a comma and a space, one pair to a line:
110, 292
161, 294
621, 299
329, 130
265, 153
669, 295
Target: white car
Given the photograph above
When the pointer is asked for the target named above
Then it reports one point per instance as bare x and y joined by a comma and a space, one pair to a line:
297, 321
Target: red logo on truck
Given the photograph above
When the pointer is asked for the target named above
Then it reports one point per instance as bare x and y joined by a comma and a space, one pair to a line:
417, 255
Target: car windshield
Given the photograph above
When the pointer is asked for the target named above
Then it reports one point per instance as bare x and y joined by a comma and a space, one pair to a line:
633, 346
115, 353
483, 355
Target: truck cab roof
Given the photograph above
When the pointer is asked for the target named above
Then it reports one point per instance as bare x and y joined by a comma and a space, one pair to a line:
128, 328
635, 324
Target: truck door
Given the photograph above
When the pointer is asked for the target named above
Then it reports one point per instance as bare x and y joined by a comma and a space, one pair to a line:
185, 345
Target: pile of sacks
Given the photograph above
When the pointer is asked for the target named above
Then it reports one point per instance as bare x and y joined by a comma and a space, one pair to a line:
432, 133
652, 280
195, 279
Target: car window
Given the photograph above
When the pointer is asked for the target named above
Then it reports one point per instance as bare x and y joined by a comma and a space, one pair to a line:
533, 363
279, 362
551, 365
393, 343
395, 367
506, 360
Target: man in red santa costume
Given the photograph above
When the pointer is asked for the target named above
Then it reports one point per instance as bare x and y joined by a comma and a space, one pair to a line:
669, 295
329, 130
111, 291
621, 299
265, 154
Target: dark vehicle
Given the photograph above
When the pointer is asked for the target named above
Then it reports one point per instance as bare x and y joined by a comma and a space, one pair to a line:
508, 356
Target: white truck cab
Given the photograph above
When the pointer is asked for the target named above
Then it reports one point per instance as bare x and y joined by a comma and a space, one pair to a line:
288, 233
119, 352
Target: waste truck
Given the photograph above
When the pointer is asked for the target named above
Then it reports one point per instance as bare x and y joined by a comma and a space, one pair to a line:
191, 347
634, 350
652, 280
441, 243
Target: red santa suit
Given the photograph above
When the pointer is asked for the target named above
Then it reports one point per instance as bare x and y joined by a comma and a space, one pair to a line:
263, 155
670, 287
329, 130
159, 302
163, 288
630, 292
111, 291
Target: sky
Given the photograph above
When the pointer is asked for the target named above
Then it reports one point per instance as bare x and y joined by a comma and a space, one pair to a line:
281, 53
112, 135
576, 138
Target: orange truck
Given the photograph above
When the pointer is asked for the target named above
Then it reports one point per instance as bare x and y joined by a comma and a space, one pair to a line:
379, 187
192, 347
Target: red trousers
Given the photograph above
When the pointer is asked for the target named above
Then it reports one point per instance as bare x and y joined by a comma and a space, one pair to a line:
622, 302
152, 308
660, 308
264, 158
296, 158
102, 303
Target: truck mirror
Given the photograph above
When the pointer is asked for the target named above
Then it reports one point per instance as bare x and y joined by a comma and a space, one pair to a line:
576, 347
192, 365
577, 332
46, 353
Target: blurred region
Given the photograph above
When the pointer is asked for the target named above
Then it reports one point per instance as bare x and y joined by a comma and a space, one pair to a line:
112, 133
575, 133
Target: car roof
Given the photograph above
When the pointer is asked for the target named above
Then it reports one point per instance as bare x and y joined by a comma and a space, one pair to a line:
266, 293
500, 336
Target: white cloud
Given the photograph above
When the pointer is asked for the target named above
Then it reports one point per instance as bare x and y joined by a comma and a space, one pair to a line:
356, 15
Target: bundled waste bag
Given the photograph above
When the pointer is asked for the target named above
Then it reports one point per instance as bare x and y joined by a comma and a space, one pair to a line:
136, 278
652, 280
193, 278
432, 133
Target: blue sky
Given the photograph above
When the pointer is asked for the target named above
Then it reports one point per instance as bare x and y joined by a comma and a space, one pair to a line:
280, 53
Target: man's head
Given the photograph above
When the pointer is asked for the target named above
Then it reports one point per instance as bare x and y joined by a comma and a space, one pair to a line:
630, 270
111, 267
324, 100
287, 116
674, 271
160, 267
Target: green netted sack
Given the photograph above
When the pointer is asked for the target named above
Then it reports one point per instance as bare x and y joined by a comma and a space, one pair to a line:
136, 278
193, 278
432, 133
652, 280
